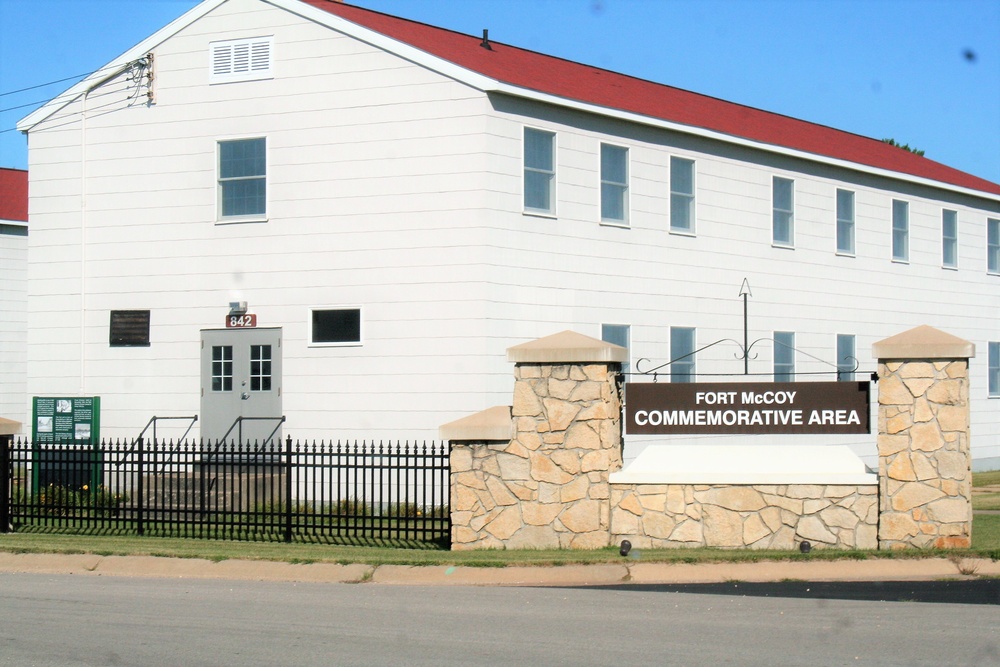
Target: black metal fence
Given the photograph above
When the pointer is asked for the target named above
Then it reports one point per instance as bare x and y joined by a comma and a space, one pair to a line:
349, 493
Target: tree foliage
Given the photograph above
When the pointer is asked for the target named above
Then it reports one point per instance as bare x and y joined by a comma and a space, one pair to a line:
905, 147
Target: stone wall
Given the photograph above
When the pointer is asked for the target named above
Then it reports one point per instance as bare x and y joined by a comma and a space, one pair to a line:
925, 476
745, 517
547, 487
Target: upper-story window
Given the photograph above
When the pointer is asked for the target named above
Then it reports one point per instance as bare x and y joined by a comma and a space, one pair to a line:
993, 245
783, 211
993, 368
539, 171
682, 353
242, 179
949, 239
845, 222
681, 195
900, 231
241, 60
614, 184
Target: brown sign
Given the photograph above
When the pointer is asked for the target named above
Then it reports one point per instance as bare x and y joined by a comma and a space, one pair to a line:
244, 321
752, 408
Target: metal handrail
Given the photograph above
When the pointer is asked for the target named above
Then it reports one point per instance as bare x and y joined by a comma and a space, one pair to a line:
152, 422
239, 422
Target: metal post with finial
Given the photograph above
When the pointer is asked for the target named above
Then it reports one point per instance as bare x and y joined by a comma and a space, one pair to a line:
745, 292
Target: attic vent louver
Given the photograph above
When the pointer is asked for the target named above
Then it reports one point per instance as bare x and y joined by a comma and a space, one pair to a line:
241, 60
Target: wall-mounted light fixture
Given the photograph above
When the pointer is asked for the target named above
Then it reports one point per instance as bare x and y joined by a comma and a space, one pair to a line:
237, 307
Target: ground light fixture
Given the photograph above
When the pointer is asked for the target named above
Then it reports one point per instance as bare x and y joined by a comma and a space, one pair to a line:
626, 547
805, 547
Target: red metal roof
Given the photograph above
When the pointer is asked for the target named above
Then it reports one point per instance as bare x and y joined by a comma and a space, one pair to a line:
591, 85
13, 194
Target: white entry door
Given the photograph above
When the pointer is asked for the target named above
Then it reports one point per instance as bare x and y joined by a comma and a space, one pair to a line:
240, 377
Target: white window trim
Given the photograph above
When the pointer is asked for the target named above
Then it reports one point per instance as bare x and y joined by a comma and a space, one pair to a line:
241, 219
949, 267
627, 204
553, 194
995, 271
361, 326
790, 243
892, 232
854, 223
995, 393
681, 231
251, 74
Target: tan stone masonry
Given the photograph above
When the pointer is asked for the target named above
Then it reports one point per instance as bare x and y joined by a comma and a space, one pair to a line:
536, 474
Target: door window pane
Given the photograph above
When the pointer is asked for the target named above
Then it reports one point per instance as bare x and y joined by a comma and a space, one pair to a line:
222, 368
260, 368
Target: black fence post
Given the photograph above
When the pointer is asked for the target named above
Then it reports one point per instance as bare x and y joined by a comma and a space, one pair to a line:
7, 469
140, 484
288, 489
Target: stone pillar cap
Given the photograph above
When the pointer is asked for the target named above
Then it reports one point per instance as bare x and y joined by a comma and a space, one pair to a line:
567, 347
489, 425
9, 426
924, 342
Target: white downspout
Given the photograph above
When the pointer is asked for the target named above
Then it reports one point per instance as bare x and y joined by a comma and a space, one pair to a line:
83, 245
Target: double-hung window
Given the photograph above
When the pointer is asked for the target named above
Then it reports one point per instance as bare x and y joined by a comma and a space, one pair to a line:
783, 211
993, 246
539, 171
681, 195
682, 361
614, 184
845, 222
993, 369
784, 356
617, 334
242, 179
900, 231
847, 362
949, 239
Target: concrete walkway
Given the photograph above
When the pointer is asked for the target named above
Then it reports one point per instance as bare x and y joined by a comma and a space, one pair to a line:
629, 571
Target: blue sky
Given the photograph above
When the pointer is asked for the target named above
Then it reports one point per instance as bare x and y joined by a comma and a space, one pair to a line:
925, 72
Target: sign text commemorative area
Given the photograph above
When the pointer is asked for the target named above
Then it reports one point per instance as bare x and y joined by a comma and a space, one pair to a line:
757, 407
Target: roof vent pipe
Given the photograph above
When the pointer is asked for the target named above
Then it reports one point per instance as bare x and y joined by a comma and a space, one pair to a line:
486, 40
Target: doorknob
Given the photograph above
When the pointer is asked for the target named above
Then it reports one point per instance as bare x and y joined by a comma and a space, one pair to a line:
244, 396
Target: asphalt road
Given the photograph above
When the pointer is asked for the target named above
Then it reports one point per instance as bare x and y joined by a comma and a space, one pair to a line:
64, 620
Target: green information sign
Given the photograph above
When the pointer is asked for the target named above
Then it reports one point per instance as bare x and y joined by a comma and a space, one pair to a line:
66, 420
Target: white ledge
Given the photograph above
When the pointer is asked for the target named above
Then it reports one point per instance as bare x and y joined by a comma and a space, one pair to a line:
745, 465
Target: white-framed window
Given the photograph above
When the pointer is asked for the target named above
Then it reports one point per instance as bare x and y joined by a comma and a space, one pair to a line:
782, 211
241, 60
614, 184
332, 327
845, 222
847, 360
993, 246
682, 357
243, 179
949, 239
618, 334
784, 356
681, 195
900, 231
539, 171
993, 370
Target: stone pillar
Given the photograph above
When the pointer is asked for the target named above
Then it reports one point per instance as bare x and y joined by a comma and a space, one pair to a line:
547, 486
925, 464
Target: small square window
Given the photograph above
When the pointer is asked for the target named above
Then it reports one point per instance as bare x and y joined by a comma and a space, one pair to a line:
129, 328
339, 326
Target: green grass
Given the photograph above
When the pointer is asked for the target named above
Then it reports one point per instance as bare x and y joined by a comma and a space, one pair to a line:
986, 543
983, 498
985, 478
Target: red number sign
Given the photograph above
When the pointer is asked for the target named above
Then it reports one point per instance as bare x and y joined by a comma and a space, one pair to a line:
245, 321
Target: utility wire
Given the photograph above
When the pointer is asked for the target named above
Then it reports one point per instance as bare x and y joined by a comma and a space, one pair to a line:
43, 85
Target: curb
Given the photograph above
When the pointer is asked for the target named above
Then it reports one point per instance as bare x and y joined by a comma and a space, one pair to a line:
926, 569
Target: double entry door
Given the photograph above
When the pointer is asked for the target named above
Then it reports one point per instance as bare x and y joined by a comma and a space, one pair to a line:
240, 377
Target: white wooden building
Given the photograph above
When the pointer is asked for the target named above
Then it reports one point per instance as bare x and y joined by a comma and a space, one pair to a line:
392, 205
13, 293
